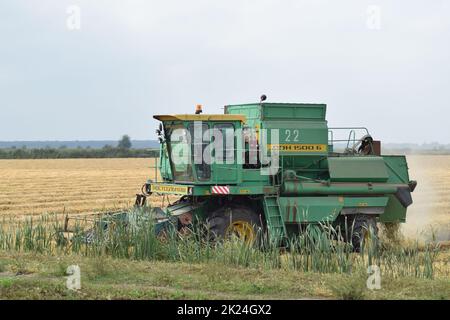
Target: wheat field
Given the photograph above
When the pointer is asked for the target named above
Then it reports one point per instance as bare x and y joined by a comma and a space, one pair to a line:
82, 186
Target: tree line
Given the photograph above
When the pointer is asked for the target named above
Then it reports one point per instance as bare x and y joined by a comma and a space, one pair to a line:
122, 150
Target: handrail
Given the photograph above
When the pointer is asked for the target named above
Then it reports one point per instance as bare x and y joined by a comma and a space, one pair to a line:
352, 131
351, 135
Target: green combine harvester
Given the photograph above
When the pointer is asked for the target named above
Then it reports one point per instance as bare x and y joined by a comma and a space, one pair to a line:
316, 179
274, 169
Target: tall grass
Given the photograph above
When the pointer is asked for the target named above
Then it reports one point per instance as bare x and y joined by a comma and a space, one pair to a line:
318, 248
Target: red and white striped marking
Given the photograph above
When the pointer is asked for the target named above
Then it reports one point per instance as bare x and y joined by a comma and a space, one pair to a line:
220, 190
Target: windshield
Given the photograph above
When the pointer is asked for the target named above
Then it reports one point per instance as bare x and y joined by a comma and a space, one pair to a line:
187, 151
180, 147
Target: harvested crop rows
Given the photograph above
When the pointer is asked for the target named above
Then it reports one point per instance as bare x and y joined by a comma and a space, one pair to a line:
33, 187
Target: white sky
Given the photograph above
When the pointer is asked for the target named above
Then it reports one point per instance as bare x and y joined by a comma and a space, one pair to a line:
132, 59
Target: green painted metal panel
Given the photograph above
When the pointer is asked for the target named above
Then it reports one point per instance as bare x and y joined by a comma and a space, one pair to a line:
251, 111
316, 188
364, 168
283, 111
322, 209
394, 211
365, 201
200, 190
310, 209
254, 175
298, 138
279, 111
308, 131
397, 169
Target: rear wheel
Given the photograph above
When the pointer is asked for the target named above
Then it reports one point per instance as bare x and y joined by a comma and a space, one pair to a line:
240, 222
362, 230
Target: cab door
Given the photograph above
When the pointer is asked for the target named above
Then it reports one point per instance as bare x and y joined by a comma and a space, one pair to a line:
224, 154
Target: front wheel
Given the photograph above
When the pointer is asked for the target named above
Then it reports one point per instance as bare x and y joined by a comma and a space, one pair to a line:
240, 222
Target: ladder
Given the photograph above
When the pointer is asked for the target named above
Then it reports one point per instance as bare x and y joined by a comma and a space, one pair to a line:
274, 219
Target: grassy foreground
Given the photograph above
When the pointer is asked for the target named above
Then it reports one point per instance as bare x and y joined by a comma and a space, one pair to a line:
39, 276
127, 260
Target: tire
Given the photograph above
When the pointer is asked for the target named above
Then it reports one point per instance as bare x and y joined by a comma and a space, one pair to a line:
358, 231
221, 224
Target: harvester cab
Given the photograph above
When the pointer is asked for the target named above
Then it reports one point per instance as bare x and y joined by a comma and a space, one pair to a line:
186, 153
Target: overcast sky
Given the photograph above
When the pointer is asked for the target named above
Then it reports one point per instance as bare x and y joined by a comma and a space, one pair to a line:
381, 64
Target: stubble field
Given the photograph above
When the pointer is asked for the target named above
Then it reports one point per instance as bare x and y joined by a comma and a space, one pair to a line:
72, 186
84, 186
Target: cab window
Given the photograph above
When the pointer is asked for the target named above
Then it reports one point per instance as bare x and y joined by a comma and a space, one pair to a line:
227, 154
180, 156
199, 143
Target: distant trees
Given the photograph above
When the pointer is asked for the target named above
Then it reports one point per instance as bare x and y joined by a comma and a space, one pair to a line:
58, 153
123, 150
125, 142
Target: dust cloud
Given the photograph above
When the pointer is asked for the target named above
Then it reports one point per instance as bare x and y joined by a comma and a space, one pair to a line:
429, 215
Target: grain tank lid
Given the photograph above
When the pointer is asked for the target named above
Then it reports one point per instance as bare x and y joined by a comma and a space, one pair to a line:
201, 117
282, 111
357, 169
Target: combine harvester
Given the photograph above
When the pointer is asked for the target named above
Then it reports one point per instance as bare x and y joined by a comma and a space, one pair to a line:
275, 167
